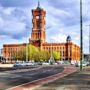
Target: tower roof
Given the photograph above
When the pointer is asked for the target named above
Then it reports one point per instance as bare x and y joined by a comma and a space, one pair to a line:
38, 7
69, 38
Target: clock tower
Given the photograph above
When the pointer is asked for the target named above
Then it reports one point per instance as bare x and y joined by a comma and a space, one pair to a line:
38, 35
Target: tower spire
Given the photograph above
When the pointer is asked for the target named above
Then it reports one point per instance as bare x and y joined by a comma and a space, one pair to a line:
38, 3
38, 7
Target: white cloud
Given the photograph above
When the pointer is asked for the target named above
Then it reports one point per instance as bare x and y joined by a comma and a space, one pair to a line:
8, 10
57, 12
58, 38
1, 22
14, 26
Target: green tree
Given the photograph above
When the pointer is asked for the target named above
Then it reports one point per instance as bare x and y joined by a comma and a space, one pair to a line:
44, 55
56, 55
31, 52
19, 54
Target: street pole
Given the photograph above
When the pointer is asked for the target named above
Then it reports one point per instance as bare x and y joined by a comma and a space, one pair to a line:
62, 53
0, 54
81, 36
26, 51
89, 43
26, 48
51, 49
51, 56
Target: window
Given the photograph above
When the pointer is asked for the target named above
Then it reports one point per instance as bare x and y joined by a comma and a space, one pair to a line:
37, 17
38, 25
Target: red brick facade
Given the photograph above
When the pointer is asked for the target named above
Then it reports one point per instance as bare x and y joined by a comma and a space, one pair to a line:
10, 49
68, 50
38, 35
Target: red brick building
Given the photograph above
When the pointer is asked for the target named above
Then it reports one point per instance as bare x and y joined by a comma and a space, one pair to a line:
12, 49
68, 50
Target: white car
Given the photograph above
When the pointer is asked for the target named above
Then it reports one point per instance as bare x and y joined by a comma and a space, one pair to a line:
55, 63
83, 64
19, 64
29, 63
45, 63
59, 62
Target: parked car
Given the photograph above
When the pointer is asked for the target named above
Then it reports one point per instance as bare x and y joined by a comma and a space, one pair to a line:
55, 63
45, 63
66, 63
38, 63
73, 62
83, 64
87, 62
60, 62
29, 63
19, 64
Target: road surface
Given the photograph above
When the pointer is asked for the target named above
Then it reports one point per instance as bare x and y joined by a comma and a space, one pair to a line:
13, 78
79, 80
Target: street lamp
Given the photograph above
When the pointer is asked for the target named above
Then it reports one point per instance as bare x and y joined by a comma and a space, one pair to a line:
81, 36
26, 51
51, 49
51, 60
0, 54
27, 45
89, 44
62, 53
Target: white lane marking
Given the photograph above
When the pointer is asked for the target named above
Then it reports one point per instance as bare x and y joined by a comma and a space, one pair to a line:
15, 77
2, 73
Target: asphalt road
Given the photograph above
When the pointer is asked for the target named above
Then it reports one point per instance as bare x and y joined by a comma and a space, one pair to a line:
14, 78
79, 80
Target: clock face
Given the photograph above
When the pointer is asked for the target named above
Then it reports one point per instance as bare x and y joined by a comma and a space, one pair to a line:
37, 17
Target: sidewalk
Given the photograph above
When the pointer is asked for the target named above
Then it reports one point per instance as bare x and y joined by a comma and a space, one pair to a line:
6, 65
77, 81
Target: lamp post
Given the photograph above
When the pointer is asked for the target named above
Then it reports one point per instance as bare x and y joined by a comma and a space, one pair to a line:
89, 44
51, 57
27, 45
26, 51
51, 49
81, 36
62, 53
0, 54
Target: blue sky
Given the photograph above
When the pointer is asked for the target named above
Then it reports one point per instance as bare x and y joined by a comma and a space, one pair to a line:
62, 19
